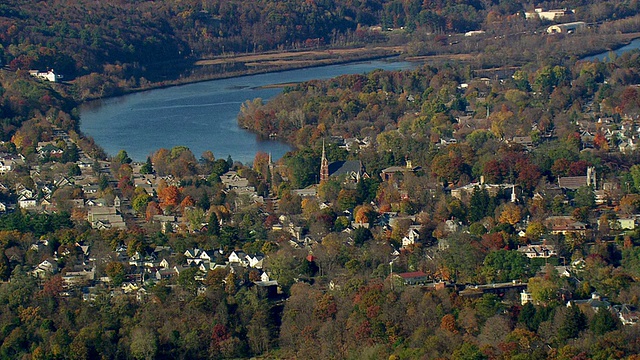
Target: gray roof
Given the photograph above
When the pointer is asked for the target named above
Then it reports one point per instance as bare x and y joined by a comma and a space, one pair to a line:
345, 167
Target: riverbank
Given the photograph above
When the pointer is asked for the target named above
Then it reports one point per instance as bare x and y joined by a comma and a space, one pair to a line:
238, 65
263, 63
624, 40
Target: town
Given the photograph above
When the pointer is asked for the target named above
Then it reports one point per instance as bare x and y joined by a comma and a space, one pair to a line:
484, 204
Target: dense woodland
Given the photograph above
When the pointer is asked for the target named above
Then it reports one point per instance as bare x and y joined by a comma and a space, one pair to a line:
341, 302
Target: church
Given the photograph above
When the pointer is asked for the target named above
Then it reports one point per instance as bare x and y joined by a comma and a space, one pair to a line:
351, 170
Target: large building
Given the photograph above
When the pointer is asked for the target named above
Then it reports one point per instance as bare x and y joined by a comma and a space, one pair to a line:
549, 15
566, 28
351, 170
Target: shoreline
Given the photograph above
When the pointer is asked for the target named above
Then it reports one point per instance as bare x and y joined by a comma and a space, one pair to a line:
249, 72
391, 52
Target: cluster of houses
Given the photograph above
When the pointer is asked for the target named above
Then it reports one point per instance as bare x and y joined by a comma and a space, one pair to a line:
144, 268
233, 181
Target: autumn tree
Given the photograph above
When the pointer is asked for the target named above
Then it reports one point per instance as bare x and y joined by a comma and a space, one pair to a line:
116, 272
169, 197
510, 214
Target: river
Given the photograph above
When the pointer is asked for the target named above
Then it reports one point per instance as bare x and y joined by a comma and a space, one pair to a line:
605, 56
201, 116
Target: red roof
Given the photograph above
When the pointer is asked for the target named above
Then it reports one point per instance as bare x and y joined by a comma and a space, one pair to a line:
410, 275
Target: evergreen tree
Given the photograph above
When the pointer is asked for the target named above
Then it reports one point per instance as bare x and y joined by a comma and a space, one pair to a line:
480, 204
147, 168
573, 323
204, 202
214, 226
603, 322
527, 316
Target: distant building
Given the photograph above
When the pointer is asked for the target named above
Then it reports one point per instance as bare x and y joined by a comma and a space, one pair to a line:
566, 28
47, 76
389, 173
411, 278
576, 182
538, 251
352, 170
549, 15
474, 33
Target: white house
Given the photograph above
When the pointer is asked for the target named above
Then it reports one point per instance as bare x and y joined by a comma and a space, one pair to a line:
47, 76
45, 268
538, 251
238, 257
255, 261
411, 238
25, 202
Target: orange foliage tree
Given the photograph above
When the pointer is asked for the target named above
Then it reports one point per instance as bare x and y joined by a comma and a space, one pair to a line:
169, 196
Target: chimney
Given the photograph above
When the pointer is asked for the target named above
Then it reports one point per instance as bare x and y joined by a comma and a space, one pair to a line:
481, 179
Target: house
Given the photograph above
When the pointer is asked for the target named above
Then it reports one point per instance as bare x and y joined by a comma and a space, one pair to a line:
90, 189
595, 303
355, 144
524, 141
232, 180
627, 314
45, 268
255, 261
105, 217
141, 295
525, 297
79, 275
411, 278
565, 225
628, 145
196, 256
264, 277
5, 166
266, 289
39, 245
164, 264
25, 202
538, 251
47, 76
167, 222
238, 257
413, 235
464, 193
50, 150
626, 223
162, 274
474, 33
310, 191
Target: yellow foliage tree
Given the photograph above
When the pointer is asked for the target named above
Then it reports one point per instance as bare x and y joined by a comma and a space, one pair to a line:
511, 214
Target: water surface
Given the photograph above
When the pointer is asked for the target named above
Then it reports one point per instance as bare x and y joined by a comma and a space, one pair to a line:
606, 56
201, 116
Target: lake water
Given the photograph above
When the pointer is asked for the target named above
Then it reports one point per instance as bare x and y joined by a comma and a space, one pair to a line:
605, 56
201, 116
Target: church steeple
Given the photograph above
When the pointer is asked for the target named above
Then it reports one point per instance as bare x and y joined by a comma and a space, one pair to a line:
324, 165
